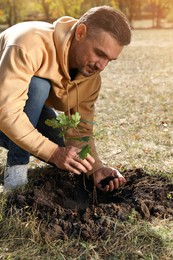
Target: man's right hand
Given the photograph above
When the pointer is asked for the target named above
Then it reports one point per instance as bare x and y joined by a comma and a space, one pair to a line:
67, 158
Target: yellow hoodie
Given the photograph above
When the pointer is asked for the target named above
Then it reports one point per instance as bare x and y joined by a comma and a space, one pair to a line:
41, 49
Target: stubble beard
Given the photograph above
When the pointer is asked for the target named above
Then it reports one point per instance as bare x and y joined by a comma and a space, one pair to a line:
88, 70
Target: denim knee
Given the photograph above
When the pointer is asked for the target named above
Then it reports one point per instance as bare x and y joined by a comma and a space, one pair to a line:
37, 94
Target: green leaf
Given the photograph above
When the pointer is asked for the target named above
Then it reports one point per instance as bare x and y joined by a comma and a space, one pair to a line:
68, 122
85, 139
63, 120
85, 150
75, 138
81, 139
61, 134
75, 119
52, 122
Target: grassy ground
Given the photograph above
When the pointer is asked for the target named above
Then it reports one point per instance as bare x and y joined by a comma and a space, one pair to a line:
134, 111
134, 116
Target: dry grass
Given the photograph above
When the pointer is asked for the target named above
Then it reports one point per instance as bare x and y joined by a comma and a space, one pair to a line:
134, 111
134, 116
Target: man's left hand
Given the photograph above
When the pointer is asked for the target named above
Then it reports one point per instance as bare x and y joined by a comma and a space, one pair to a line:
108, 179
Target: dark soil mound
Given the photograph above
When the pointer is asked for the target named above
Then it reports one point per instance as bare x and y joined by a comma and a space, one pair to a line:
69, 205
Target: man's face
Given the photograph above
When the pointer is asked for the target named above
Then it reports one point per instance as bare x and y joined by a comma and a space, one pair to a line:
90, 55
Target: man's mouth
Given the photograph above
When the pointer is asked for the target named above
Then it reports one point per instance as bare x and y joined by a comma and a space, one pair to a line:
92, 69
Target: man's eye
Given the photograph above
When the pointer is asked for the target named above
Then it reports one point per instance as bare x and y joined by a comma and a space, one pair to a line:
100, 54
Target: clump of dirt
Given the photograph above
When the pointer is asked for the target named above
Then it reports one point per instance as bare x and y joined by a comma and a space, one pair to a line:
69, 205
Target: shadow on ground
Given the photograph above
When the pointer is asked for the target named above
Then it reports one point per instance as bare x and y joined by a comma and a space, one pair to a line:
68, 205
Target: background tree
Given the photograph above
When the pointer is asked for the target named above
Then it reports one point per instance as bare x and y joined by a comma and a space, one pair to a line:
65, 7
85, 5
158, 9
169, 16
14, 11
132, 9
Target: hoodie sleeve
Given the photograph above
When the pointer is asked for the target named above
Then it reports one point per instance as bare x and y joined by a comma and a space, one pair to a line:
86, 109
16, 70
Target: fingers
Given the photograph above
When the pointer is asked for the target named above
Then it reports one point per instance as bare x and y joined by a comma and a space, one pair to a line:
90, 159
77, 165
67, 158
84, 164
110, 179
114, 184
73, 169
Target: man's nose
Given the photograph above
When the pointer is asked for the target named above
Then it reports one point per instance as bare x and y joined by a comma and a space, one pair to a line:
101, 64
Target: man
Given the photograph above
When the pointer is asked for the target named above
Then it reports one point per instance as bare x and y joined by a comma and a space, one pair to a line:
45, 66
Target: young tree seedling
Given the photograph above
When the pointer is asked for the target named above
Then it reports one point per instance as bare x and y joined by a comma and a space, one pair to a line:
65, 122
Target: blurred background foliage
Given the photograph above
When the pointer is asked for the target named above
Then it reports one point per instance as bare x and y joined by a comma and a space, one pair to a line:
14, 11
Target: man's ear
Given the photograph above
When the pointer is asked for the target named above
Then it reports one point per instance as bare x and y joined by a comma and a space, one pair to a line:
81, 31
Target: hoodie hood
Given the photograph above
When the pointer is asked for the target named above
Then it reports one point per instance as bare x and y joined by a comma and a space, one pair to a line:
63, 33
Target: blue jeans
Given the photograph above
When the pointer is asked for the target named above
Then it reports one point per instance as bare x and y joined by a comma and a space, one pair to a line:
37, 113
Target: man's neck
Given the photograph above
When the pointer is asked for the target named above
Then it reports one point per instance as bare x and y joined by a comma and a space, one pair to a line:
73, 73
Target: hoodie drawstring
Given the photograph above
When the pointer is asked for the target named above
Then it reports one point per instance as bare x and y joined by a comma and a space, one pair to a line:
68, 98
68, 101
77, 94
